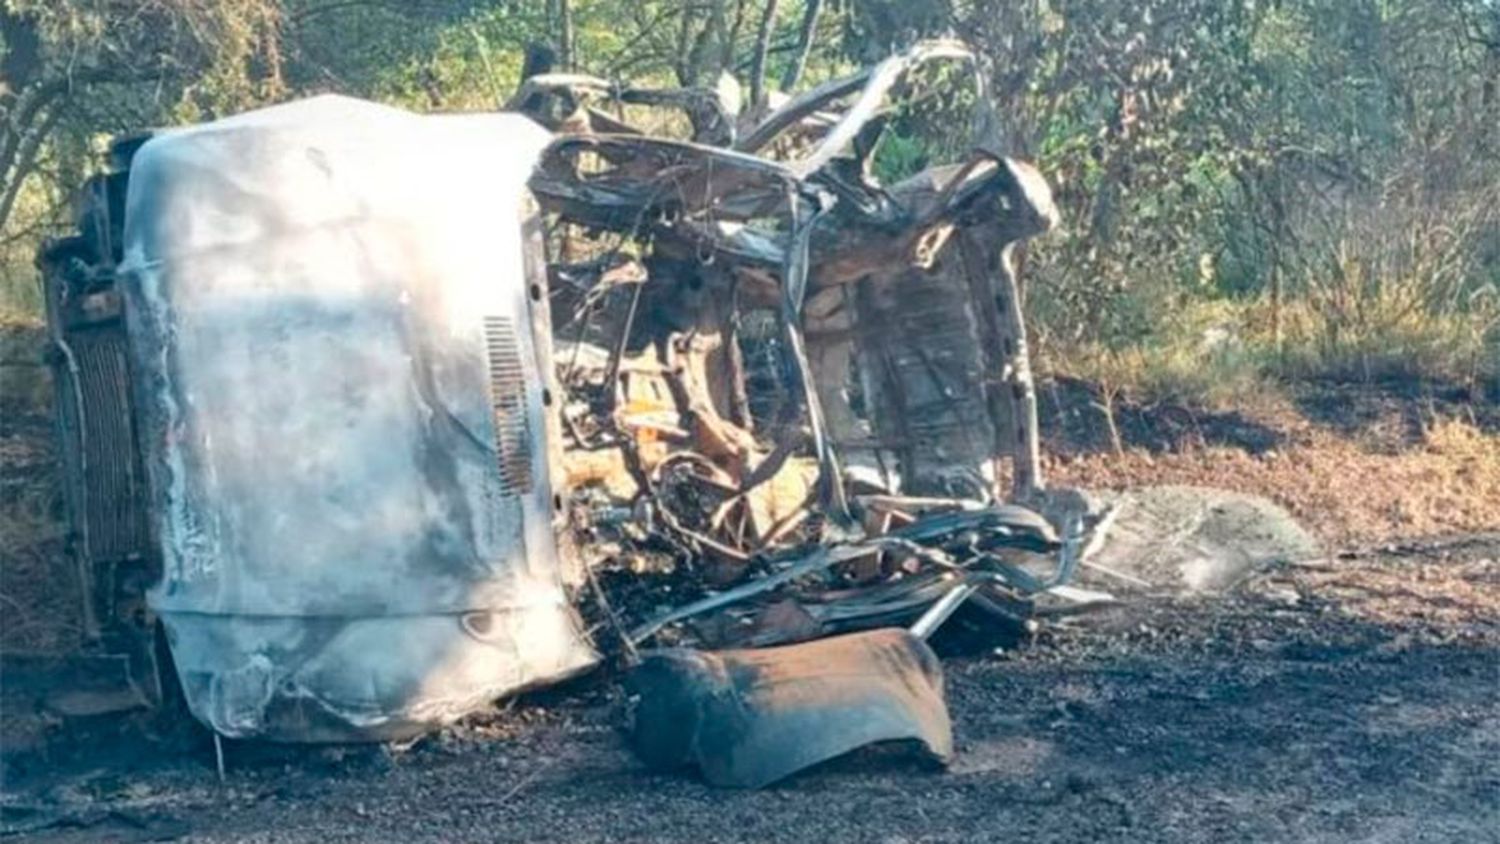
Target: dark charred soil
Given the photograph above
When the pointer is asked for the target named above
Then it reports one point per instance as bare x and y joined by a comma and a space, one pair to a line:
1352, 699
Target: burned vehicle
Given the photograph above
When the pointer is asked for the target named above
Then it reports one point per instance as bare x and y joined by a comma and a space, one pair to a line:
372, 417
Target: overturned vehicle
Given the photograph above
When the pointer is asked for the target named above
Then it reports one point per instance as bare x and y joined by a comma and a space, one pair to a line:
372, 418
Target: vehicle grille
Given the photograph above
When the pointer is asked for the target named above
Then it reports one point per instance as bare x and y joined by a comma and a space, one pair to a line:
508, 400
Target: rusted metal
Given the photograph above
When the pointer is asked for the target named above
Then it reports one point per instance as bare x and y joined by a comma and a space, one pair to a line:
890, 320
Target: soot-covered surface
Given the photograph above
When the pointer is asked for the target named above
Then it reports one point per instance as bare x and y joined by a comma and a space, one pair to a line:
1352, 700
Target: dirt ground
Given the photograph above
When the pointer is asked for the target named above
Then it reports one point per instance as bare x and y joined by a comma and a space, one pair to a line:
1355, 463
1355, 698
1348, 700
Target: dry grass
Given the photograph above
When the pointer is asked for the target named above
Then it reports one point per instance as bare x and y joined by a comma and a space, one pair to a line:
39, 605
1387, 337
1216, 353
1352, 489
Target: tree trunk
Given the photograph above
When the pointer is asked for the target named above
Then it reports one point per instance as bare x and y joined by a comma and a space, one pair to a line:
22, 94
565, 34
14, 177
22, 58
762, 46
1276, 299
1106, 406
1278, 261
693, 42
732, 36
805, 37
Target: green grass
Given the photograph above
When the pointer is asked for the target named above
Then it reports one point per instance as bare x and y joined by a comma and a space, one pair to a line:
1221, 354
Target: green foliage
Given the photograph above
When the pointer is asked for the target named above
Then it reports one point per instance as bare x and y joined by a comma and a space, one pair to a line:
73, 72
933, 126
1327, 169
1320, 176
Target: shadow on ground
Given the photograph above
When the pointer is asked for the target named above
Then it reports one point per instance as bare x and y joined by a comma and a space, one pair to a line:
1392, 413
1402, 409
1072, 421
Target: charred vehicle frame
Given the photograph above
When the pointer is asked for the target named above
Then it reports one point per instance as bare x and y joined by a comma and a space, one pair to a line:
782, 400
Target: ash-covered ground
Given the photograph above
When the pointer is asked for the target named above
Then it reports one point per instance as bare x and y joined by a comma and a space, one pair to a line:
1353, 699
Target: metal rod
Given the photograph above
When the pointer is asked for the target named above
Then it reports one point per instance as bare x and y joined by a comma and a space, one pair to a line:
940, 611
1131, 579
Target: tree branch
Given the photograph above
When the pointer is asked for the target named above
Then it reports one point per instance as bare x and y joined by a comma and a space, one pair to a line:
25, 108
13, 179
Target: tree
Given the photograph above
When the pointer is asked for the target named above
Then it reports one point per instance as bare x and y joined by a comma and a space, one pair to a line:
762, 46
1308, 156
806, 34
94, 58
